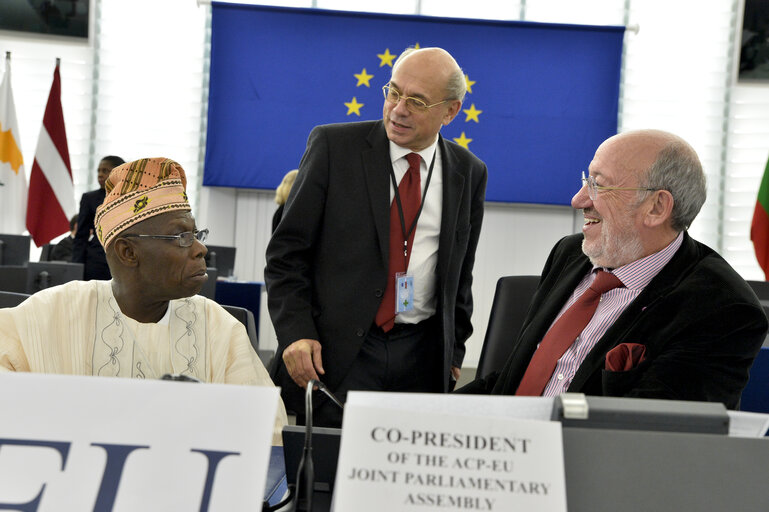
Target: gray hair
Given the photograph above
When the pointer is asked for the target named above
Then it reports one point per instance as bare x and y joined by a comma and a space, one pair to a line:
456, 87
679, 171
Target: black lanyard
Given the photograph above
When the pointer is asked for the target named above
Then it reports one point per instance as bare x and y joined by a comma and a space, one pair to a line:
406, 235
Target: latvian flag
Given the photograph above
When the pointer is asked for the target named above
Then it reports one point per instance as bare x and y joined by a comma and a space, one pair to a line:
51, 200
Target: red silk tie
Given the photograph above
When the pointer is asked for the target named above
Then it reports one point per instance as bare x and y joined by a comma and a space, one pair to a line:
563, 333
410, 191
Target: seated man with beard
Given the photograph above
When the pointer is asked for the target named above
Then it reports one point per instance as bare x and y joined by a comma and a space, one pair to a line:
633, 306
147, 321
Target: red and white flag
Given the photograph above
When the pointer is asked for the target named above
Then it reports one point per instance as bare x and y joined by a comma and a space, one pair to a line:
51, 199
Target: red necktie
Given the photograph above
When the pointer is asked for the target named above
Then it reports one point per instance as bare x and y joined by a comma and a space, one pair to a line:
563, 333
410, 191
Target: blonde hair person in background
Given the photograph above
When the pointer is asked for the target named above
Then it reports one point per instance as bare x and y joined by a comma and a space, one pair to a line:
281, 195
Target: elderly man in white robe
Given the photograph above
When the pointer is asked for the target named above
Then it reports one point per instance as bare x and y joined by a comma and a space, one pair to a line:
147, 321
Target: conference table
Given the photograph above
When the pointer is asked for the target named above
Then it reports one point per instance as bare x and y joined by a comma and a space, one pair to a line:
640, 471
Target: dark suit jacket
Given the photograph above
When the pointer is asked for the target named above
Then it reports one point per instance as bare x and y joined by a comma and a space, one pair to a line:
327, 260
62, 251
87, 249
701, 324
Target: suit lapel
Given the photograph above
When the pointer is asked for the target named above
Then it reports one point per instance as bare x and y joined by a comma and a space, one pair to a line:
667, 280
453, 184
376, 169
550, 299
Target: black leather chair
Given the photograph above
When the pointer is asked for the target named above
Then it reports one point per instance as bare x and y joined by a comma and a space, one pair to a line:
11, 299
508, 311
45, 253
246, 317
761, 289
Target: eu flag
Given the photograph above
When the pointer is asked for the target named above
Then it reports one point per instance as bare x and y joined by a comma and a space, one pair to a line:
541, 97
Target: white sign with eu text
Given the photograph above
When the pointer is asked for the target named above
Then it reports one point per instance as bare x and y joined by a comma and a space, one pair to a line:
410, 460
70, 443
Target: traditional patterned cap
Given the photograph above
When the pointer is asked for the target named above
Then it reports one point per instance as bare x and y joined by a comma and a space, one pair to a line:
137, 191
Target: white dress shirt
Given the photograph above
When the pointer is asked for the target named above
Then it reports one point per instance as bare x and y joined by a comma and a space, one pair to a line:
424, 253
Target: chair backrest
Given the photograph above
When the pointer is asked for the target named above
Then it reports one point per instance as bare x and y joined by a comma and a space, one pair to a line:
222, 257
761, 289
14, 249
13, 278
45, 253
246, 317
45, 274
508, 311
209, 289
11, 299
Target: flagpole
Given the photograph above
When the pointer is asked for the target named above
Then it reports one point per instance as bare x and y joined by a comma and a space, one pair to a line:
58, 61
7, 63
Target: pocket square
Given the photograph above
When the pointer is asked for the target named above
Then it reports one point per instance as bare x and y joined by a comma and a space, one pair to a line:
625, 356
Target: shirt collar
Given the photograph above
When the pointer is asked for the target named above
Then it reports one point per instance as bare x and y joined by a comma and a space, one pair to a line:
397, 152
638, 274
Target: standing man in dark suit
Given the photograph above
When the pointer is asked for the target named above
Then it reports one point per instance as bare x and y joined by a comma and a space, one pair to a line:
86, 248
674, 320
380, 210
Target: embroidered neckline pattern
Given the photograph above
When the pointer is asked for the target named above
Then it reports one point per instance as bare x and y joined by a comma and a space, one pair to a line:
117, 337
112, 337
186, 345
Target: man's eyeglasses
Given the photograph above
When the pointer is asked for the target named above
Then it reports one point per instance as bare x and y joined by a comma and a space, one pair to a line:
593, 188
412, 103
185, 239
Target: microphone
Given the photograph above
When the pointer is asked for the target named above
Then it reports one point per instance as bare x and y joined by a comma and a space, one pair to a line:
179, 377
305, 474
44, 280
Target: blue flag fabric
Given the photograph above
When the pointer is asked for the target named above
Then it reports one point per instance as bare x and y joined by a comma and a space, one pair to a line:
541, 97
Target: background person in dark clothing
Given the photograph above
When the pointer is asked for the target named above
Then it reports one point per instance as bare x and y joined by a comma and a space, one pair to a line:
62, 251
86, 248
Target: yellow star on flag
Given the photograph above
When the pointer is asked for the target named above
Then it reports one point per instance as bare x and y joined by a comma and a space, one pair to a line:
469, 83
353, 106
363, 78
463, 141
386, 58
472, 113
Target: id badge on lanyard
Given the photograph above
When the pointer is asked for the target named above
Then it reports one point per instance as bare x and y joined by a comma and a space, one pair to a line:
404, 296
404, 281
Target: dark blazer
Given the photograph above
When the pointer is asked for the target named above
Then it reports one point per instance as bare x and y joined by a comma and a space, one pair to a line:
62, 251
327, 260
700, 322
86, 248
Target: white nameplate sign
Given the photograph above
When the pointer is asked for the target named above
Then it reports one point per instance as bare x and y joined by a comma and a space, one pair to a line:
104, 444
419, 461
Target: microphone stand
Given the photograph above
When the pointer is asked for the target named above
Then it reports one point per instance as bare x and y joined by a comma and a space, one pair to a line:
305, 474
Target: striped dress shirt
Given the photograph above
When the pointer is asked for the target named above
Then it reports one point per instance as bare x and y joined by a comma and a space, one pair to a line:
634, 276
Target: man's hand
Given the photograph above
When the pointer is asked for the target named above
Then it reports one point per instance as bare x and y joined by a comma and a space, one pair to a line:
303, 361
455, 372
